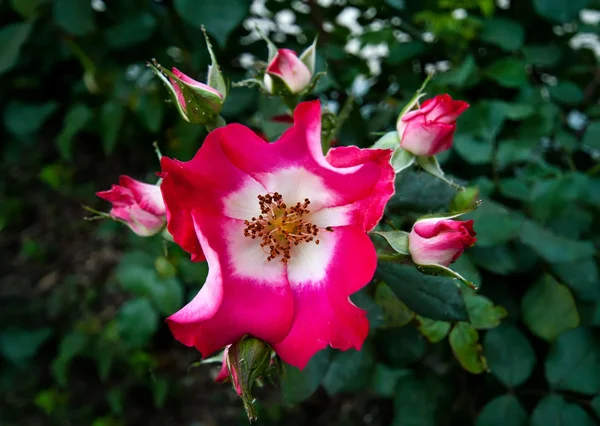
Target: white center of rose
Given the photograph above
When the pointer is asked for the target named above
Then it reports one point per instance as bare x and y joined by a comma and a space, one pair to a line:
280, 226
307, 261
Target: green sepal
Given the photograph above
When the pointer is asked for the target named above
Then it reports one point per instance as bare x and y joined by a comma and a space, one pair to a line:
452, 214
439, 270
388, 141
215, 77
313, 83
270, 45
401, 158
247, 360
250, 82
415, 99
157, 70
309, 56
431, 166
398, 240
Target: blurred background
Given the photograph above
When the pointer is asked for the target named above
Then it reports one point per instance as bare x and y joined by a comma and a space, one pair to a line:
82, 304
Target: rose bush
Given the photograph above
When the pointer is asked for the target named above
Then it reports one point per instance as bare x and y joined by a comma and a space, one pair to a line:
83, 338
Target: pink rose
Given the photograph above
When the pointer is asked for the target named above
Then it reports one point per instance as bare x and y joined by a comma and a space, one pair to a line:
429, 130
295, 72
284, 231
139, 205
439, 241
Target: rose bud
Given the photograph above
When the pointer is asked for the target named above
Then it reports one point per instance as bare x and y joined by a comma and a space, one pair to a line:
197, 102
138, 205
295, 72
439, 241
429, 130
247, 360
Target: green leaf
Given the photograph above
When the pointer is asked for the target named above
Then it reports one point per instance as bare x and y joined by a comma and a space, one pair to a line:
210, 14
483, 121
544, 122
518, 111
553, 410
434, 331
542, 55
551, 247
549, 309
349, 371
429, 296
483, 314
151, 111
567, 140
573, 362
384, 379
143, 281
296, 385
465, 75
592, 135
137, 322
395, 312
111, 118
494, 223
505, 410
566, 92
400, 346
559, 11
402, 52
416, 190
70, 346
473, 150
396, 4
19, 346
581, 276
508, 72
23, 120
595, 404
131, 31
504, 33
509, 354
26, 8
75, 120
512, 151
12, 38
515, 188
468, 352
418, 400
74, 16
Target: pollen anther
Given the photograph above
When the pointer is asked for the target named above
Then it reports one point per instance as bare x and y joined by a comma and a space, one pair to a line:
280, 227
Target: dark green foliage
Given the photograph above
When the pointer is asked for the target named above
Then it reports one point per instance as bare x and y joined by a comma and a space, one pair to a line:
83, 339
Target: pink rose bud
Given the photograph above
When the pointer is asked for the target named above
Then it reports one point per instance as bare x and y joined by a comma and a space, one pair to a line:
294, 72
138, 205
247, 360
197, 102
439, 241
429, 130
